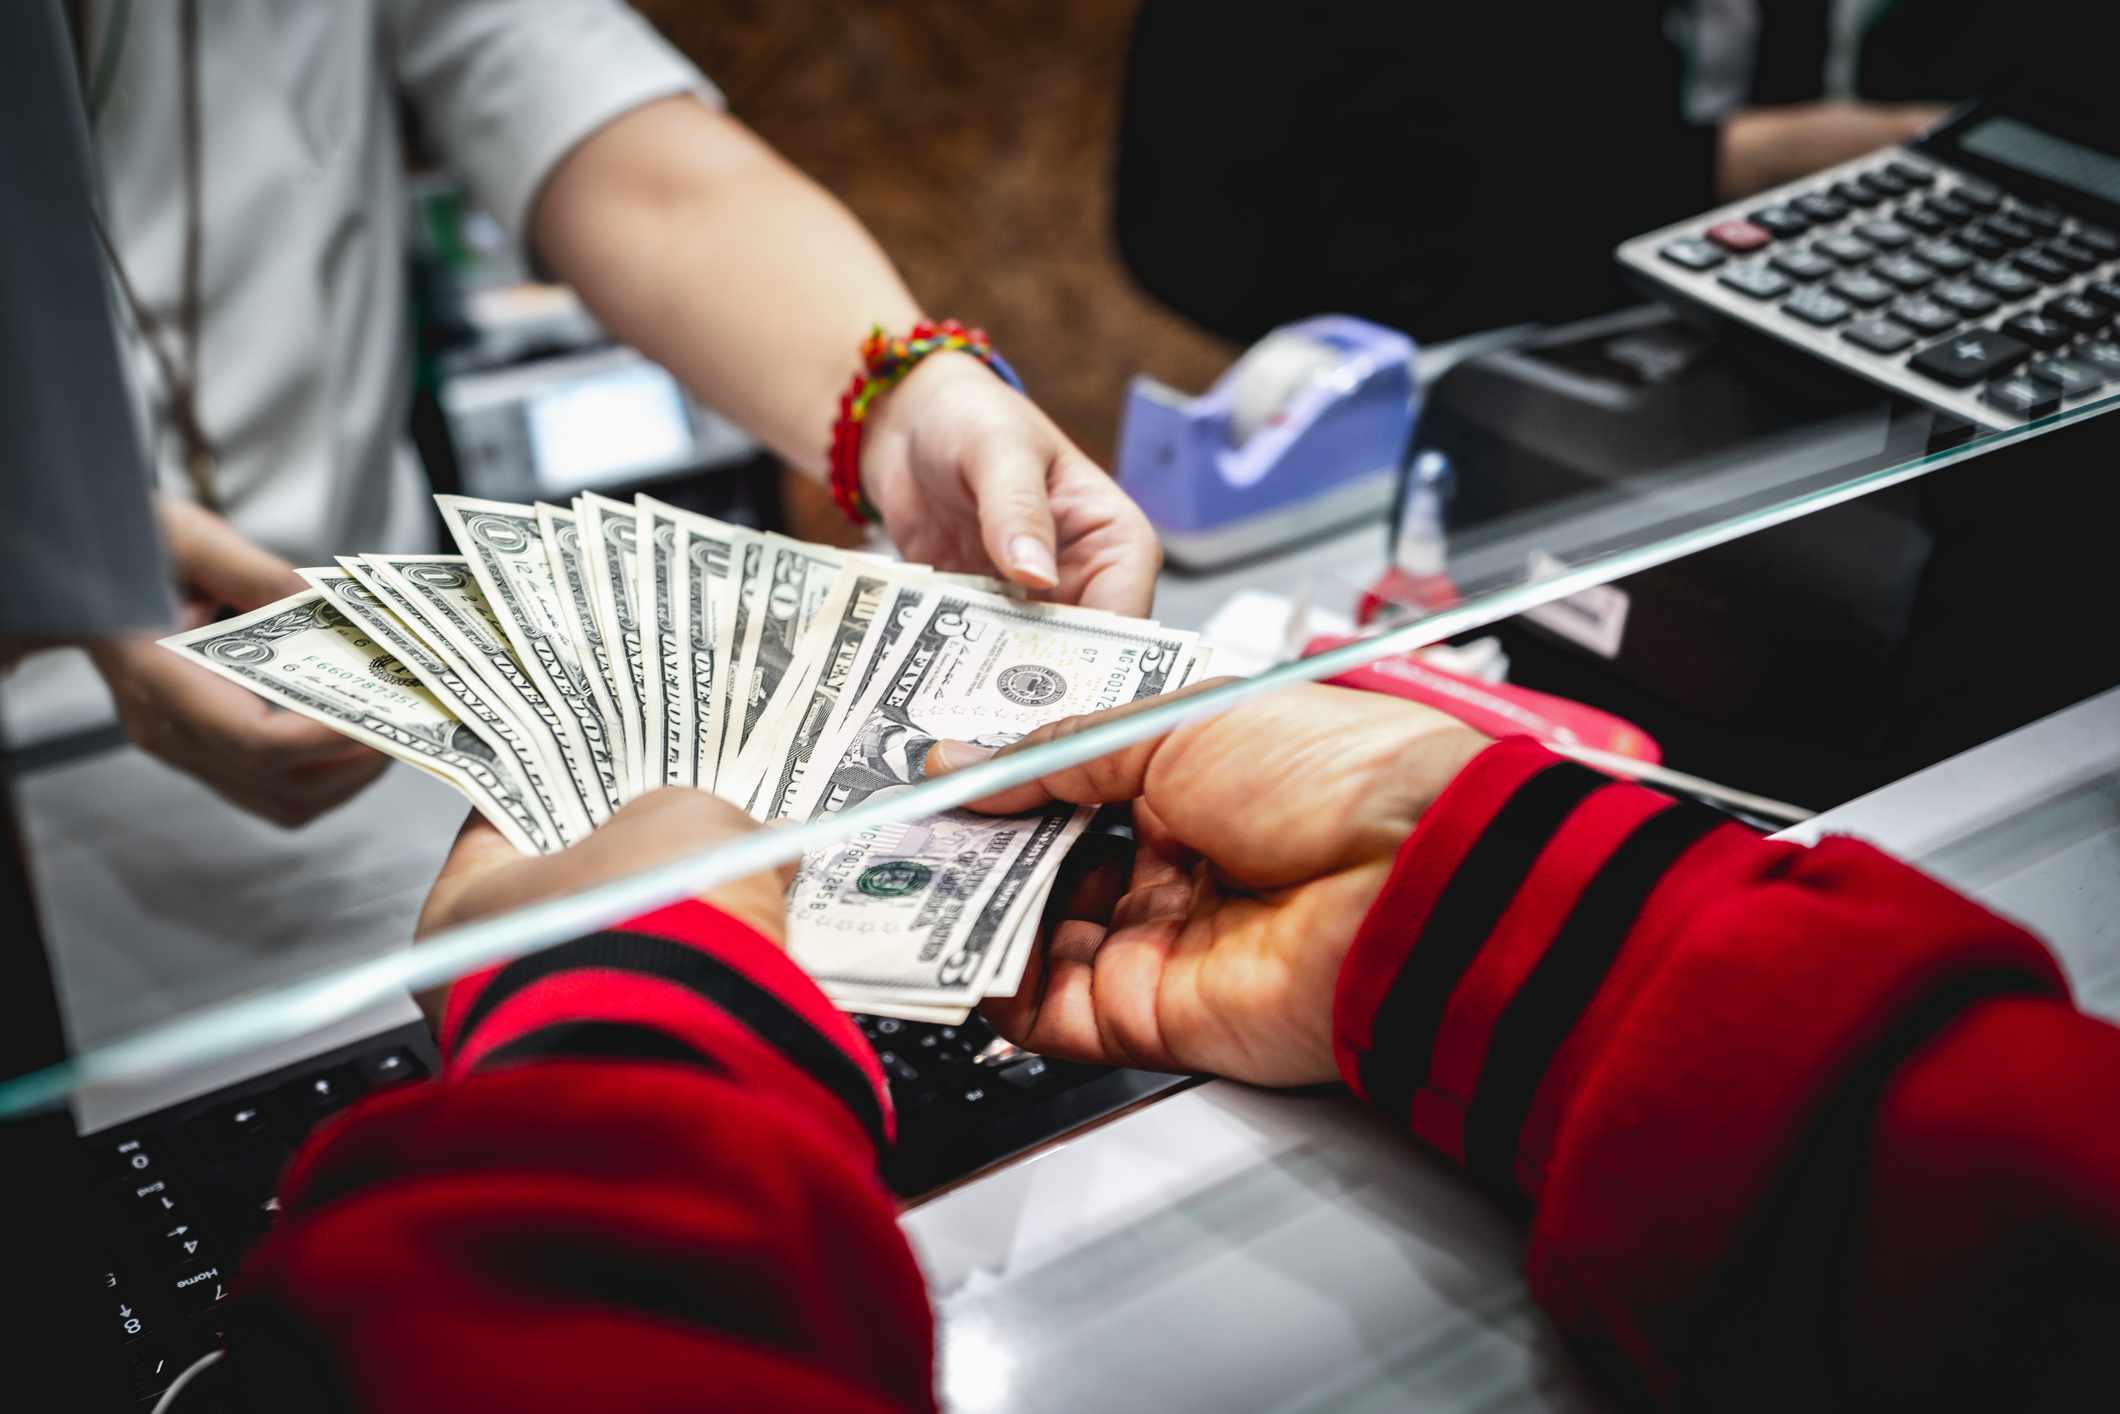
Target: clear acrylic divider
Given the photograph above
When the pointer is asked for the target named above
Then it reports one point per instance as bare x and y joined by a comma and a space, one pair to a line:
1501, 569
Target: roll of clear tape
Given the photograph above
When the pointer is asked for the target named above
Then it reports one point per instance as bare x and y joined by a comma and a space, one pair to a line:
1270, 376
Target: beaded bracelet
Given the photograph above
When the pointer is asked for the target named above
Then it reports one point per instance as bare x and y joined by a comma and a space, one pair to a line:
884, 364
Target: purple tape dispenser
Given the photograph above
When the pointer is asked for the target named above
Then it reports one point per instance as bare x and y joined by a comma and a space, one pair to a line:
1301, 435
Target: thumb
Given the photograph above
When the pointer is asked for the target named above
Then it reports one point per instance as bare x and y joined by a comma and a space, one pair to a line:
1015, 511
214, 558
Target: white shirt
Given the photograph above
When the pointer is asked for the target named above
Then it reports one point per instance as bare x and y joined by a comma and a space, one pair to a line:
305, 353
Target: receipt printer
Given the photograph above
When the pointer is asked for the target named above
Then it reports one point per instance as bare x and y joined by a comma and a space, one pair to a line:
1301, 435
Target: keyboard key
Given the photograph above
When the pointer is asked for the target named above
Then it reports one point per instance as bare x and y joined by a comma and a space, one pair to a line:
1912, 173
1798, 263
2006, 281
2037, 330
1924, 315
897, 1067
1923, 219
130, 1159
154, 1369
1028, 1073
1846, 249
1904, 271
1815, 306
975, 1098
1966, 298
152, 1202
1968, 358
2045, 222
1755, 280
2078, 313
392, 1067
322, 1093
1878, 335
1860, 288
1885, 235
1887, 181
1691, 253
1982, 244
1782, 221
2103, 356
1820, 207
1944, 255
132, 1323
2097, 238
2078, 259
1856, 192
1978, 195
2070, 378
1950, 207
195, 1289
2105, 292
1742, 237
2022, 396
181, 1244
2012, 233
2039, 263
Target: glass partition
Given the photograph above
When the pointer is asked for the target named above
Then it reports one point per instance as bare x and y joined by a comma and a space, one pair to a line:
183, 931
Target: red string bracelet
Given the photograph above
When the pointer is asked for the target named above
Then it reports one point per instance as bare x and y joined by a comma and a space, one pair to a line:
884, 364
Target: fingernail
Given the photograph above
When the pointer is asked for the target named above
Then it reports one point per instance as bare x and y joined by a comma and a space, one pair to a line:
1028, 556
947, 756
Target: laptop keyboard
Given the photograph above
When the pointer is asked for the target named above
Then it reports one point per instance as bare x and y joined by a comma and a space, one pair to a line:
190, 1189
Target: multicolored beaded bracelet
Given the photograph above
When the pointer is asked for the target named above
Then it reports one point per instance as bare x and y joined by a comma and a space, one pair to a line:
884, 363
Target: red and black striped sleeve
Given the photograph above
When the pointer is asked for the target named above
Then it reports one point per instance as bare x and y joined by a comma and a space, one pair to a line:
646, 1179
1699, 1061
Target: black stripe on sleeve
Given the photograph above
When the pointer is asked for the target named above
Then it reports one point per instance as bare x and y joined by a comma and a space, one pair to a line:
599, 1040
714, 981
1539, 1018
1403, 1032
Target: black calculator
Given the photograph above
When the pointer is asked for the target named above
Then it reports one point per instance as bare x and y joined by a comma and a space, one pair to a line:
1976, 269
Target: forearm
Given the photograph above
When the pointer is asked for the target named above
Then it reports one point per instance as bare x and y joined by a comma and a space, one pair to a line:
692, 241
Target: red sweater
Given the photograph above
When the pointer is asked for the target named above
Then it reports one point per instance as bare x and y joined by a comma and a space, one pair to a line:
1792, 1128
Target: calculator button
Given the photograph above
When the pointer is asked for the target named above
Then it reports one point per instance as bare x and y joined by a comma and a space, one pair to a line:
2078, 313
2037, 330
2105, 292
1950, 207
2102, 356
2070, 378
1691, 253
1885, 235
1878, 335
2022, 396
1913, 174
2006, 281
1924, 315
1968, 358
1820, 207
393, 1067
1781, 221
1978, 195
2039, 263
1966, 298
1859, 287
2077, 258
198, 1288
1944, 255
1856, 192
1980, 243
1800, 264
1904, 271
1740, 236
1923, 219
2045, 222
1846, 249
1755, 280
323, 1093
2097, 238
2013, 233
1887, 181
1815, 306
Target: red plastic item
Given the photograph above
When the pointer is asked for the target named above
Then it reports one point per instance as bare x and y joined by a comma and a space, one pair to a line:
1740, 236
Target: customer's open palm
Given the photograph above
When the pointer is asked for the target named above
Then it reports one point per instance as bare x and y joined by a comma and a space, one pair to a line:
1263, 835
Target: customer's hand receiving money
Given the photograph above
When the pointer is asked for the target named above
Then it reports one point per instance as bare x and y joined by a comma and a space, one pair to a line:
275, 764
1264, 834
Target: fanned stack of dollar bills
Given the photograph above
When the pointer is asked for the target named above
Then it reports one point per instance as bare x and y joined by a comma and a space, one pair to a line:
572, 658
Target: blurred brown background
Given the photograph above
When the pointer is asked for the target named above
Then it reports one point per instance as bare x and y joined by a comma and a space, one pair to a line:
975, 141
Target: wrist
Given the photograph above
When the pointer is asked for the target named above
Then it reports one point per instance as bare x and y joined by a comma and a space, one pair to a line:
876, 393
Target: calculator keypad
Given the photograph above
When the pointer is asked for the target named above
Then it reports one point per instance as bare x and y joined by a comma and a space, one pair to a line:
1946, 283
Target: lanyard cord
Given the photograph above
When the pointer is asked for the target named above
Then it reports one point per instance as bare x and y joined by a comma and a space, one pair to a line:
180, 380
